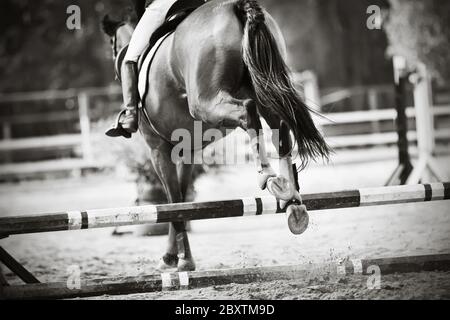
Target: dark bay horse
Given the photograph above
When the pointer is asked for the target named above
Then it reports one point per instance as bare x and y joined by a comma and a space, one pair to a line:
224, 66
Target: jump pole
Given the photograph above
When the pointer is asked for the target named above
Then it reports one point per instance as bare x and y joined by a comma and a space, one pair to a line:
113, 217
201, 279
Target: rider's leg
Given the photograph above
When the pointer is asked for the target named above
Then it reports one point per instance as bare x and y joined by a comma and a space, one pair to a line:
153, 17
130, 96
150, 21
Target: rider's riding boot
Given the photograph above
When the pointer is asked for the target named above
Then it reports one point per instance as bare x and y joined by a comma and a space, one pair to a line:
130, 96
127, 120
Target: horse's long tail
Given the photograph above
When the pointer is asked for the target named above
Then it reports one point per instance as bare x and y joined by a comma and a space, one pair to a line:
272, 83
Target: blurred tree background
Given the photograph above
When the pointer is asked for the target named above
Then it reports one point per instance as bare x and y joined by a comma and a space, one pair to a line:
420, 31
330, 37
38, 51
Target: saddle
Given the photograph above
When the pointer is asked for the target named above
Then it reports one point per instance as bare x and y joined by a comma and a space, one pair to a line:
179, 11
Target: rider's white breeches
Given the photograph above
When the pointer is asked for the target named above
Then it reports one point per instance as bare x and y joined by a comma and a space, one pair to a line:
153, 18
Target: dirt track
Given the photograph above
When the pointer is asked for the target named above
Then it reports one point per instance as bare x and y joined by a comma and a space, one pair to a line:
397, 230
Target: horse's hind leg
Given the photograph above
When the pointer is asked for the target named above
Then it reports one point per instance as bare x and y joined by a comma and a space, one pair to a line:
222, 110
185, 262
227, 111
184, 172
178, 251
257, 141
285, 187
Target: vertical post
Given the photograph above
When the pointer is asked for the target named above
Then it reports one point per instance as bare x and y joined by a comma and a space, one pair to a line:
404, 168
311, 90
6, 128
373, 105
3, 282
85, 128
427, 167
424, 127
401, 124
424, 112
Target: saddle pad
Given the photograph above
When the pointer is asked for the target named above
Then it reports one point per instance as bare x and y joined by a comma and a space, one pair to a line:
145, 68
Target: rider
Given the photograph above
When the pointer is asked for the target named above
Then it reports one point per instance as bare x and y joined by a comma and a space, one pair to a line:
152, 18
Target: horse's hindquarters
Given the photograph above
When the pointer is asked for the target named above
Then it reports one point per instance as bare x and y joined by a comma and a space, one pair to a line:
201, 59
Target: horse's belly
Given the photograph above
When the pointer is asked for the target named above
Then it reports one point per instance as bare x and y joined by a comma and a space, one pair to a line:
176, 126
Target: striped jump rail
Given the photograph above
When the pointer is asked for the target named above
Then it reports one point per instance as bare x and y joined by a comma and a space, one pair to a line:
113, 217
201, 279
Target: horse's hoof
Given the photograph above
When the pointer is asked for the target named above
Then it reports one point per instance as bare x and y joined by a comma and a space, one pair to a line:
281, 188
263, 177
298, 218
168, 261
186, 265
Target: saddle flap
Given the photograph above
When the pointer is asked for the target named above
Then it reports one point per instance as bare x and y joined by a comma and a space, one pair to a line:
144, 68
119, 60
176, 15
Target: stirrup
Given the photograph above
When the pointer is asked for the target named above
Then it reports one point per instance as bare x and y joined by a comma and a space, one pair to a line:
116, 130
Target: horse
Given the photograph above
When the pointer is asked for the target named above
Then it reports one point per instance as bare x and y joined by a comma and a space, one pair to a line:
224, 66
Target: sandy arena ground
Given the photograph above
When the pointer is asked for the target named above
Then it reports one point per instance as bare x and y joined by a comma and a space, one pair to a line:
396, 230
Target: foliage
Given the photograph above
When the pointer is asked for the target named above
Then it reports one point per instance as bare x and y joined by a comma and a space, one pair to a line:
331, 38
38, 51
419, 30
131, 154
